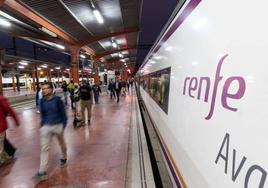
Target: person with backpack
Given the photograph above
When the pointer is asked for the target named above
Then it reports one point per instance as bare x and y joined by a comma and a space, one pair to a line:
5, 110
53, 123
86, 101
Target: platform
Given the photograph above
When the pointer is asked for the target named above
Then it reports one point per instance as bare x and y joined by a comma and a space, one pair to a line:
97, 153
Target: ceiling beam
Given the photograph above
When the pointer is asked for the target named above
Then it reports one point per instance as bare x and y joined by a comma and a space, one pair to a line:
23, 11
90, 40
98, 56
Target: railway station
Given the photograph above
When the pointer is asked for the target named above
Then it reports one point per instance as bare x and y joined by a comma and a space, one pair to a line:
133, 94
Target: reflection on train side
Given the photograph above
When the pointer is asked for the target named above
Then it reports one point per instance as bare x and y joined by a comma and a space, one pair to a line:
156, 84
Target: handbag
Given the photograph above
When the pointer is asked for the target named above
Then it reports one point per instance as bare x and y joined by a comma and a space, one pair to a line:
9, 148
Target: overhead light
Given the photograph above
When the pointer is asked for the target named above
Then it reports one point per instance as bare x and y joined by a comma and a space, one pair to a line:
21, 67
60, 46
44, 66
5, 23
38, 68
120, 55
23, 63
82, 56
48, 31
58, 68
68, 69
114, 44
51, 69
98, 16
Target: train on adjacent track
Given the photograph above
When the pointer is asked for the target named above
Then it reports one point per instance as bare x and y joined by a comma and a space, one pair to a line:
204, 86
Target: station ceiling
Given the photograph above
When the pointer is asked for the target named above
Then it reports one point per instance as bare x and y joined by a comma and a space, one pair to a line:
73, 23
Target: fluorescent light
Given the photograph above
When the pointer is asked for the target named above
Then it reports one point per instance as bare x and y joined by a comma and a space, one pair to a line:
82, 56
21, 67
58, 68
60, 46
98, 16
23, 63
114, 44
44, 66
38, 68
5, 23
51, 69
68, 69
48, 31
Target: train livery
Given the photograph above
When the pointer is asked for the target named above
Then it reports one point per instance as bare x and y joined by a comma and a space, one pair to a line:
204, 85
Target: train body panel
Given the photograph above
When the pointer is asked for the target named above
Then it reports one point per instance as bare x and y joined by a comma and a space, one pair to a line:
215, 124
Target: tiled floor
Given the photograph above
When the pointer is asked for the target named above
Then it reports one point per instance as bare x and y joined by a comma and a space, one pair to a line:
97, 154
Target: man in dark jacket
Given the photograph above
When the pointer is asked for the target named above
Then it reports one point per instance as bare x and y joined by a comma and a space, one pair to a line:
117, 87
53, 123
96, 91
5, 110
86, 101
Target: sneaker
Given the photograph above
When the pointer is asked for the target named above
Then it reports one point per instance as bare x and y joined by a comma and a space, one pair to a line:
38, 112
63, 163
40, 176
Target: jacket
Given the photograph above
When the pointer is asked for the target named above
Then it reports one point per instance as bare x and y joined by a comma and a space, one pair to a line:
52, 111
6, 110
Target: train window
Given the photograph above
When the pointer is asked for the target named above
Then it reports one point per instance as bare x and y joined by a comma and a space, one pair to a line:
156, 84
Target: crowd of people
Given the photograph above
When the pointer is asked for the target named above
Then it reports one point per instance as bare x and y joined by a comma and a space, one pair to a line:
54, 118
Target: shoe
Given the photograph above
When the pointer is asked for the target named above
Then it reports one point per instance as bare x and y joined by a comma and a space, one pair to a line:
38, 112
63, 163
88, 121
40, 176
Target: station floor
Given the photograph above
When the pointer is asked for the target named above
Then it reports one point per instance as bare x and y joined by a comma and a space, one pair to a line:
97, 153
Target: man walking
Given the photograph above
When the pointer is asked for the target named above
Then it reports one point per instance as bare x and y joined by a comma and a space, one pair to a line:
86, 101
117, 87
53, 123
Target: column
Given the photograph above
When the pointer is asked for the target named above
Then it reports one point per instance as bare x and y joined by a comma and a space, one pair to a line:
33, 76
95, 70
74, 50
13, 77
1, 82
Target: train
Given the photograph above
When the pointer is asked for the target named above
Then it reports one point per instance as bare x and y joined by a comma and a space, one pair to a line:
26, 83
204, 87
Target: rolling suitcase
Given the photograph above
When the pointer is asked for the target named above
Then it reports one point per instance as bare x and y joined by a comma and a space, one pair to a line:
9, 148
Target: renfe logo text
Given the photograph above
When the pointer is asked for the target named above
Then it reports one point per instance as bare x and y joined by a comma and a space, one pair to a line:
203, 83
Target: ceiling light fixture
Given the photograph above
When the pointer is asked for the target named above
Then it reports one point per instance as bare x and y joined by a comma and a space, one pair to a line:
4, 22
82, 56
98, 16
21, 67
48, 31
114, 44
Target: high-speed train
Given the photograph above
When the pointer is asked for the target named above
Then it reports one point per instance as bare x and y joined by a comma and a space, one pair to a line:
27, 82
204, 85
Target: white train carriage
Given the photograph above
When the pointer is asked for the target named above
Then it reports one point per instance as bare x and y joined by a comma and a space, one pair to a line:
204, 84
26, 83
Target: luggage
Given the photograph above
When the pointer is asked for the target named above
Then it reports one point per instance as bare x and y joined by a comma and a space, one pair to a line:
9, 148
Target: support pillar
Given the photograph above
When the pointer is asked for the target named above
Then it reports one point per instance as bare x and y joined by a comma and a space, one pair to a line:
74, 50
13, 78
33, 76
95, 70
61, 76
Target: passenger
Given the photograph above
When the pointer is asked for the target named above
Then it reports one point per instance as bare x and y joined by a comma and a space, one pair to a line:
65, 91
117, 87
86, 101
96, 91
71, 88
5, 110
39, 97
111, 88
53, 123
128, 83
